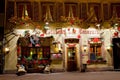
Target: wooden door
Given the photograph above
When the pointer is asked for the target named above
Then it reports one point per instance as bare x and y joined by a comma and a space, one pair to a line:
71, 59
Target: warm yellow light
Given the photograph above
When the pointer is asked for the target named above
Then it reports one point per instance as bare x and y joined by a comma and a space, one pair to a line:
59, 46
31, 53
6, 50
108, 48
85, 48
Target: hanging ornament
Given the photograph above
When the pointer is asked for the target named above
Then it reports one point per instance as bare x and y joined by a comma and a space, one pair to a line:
74, 30
78, 36
41, 35
68, 29
71, 21
96, 40
115, 34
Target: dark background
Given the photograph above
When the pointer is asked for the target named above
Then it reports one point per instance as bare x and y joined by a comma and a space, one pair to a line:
2, 6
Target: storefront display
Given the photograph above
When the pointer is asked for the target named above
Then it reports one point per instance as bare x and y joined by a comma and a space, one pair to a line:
95, 52
35, 56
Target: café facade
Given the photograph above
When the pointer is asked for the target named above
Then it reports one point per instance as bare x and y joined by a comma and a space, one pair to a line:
66, 48
68, 43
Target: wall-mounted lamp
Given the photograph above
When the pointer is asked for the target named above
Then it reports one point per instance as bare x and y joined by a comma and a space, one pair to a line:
108, 48
46, 26
6, 50
55, 43
85, 48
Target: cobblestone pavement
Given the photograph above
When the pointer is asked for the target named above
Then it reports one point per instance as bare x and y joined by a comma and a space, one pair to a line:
106, 75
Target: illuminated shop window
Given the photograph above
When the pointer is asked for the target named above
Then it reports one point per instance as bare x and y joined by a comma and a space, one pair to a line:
95, 51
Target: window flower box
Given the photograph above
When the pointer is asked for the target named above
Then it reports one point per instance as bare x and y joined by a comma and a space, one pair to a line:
96, 62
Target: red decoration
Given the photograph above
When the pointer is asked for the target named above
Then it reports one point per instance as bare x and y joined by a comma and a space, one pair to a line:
74, 31
116, 34
41, 35
78, 36
88, 61
71, 21
37, 45
68, 29
71, 45
96, 40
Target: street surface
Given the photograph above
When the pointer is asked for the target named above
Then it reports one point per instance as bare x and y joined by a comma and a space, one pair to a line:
103, 75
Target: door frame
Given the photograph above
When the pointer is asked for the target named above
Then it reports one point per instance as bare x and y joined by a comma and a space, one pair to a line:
77, 46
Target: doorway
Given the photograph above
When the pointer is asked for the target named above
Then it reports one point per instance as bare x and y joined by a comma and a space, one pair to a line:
116, 53
71, 59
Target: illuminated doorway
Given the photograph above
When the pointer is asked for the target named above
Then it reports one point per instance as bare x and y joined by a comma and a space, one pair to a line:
71, 59
72, 54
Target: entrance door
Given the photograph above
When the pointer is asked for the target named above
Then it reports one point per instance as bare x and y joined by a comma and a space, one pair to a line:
71, 59
116, 53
